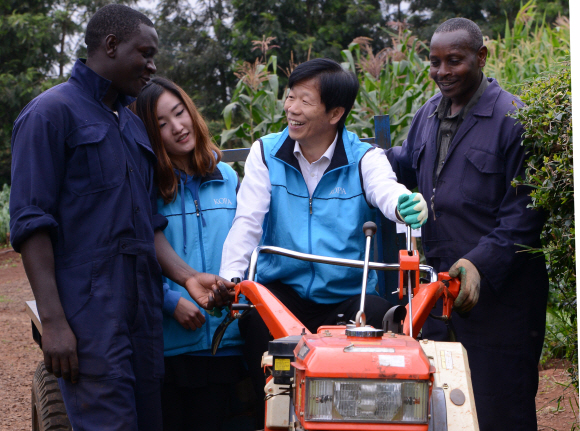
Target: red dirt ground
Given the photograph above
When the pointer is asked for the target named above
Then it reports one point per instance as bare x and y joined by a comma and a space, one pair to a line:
19, 356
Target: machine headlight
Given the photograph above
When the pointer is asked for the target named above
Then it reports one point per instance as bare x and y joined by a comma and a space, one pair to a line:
358, 400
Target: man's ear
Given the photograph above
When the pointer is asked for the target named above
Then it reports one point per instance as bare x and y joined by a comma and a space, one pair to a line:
336, 114
482, 56
111, 44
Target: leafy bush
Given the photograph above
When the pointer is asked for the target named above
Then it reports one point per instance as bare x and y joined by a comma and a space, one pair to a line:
547, 118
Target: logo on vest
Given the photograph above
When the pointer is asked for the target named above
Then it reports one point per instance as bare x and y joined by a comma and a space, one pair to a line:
338, 191
222, 201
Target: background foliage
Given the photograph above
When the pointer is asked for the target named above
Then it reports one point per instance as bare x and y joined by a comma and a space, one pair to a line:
27, 53
39, 38
195, 51
547, 118
310, 28
394, 79
203, 44
490, 15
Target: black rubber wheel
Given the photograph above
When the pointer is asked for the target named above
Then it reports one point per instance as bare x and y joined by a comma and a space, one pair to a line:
48, 411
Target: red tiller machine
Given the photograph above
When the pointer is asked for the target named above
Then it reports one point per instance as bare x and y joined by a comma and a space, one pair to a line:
354, 376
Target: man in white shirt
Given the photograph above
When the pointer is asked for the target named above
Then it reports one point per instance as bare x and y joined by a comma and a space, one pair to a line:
310, 188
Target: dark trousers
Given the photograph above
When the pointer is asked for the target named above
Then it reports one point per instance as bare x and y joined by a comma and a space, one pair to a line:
198, 391
312, 315
120, 349
503, 336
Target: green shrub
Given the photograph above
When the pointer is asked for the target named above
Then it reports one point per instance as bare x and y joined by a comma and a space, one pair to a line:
547, 119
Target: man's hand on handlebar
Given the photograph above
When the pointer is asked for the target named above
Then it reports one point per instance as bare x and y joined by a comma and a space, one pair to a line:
470, 284
210, 290
412, 209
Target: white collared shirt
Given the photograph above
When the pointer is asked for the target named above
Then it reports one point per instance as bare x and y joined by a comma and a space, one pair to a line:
312, 172
380, 184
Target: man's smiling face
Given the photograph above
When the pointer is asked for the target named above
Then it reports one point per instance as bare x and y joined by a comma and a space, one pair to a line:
455, 66
307, 118
134, 61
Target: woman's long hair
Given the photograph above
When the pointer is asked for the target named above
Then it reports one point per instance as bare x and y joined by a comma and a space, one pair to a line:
205, 155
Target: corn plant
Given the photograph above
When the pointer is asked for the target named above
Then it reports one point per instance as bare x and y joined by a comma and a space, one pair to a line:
256, 101
394, 81
530, 48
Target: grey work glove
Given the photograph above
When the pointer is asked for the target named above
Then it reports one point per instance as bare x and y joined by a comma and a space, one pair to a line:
470, 283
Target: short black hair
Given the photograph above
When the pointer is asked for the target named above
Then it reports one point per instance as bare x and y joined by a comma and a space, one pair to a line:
337, 86
472, 29
117, 19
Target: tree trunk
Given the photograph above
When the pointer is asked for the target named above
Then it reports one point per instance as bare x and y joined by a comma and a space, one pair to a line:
62, 56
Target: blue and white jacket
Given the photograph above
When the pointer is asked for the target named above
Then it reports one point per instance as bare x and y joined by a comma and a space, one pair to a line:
199, 218
327, 224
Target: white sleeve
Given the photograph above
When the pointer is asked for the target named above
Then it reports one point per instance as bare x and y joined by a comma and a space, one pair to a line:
380, 183
253, 204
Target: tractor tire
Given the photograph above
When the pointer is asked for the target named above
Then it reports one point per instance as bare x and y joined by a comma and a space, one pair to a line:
48, 411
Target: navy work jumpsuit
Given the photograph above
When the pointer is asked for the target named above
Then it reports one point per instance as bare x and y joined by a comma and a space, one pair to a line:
476, 214
85, 173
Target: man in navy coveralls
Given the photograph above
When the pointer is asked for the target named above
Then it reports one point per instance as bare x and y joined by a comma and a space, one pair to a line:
462, 152
83, 215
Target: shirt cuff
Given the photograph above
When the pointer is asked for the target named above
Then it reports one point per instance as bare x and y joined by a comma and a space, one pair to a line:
27, 221
170, 299
159, 222
229, 274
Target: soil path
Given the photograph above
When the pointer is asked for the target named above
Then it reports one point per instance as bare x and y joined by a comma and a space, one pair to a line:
19, 356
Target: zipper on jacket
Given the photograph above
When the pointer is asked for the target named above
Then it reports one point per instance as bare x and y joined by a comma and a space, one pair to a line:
200, 224
310, 248
310, 220
200, 233
433, 204
203, 265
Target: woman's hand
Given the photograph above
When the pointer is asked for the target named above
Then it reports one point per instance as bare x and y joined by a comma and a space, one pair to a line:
188, 315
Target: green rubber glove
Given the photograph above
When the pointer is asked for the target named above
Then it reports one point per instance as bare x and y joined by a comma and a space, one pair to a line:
413, 209
217, 311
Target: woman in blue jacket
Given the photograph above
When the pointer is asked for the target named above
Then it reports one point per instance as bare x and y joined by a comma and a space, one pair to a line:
197, 194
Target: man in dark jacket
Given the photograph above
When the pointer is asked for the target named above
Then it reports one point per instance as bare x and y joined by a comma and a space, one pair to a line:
462, 152
83, 214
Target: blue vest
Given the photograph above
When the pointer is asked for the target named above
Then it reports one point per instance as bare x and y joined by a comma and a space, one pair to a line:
198, 239
328, 224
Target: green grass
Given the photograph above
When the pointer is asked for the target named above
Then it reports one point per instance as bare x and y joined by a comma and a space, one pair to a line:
5, 299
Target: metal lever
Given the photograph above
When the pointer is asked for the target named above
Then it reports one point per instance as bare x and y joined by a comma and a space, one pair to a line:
369, 229
409, 286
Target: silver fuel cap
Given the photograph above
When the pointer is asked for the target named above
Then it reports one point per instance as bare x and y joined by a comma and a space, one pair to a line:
363, 331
